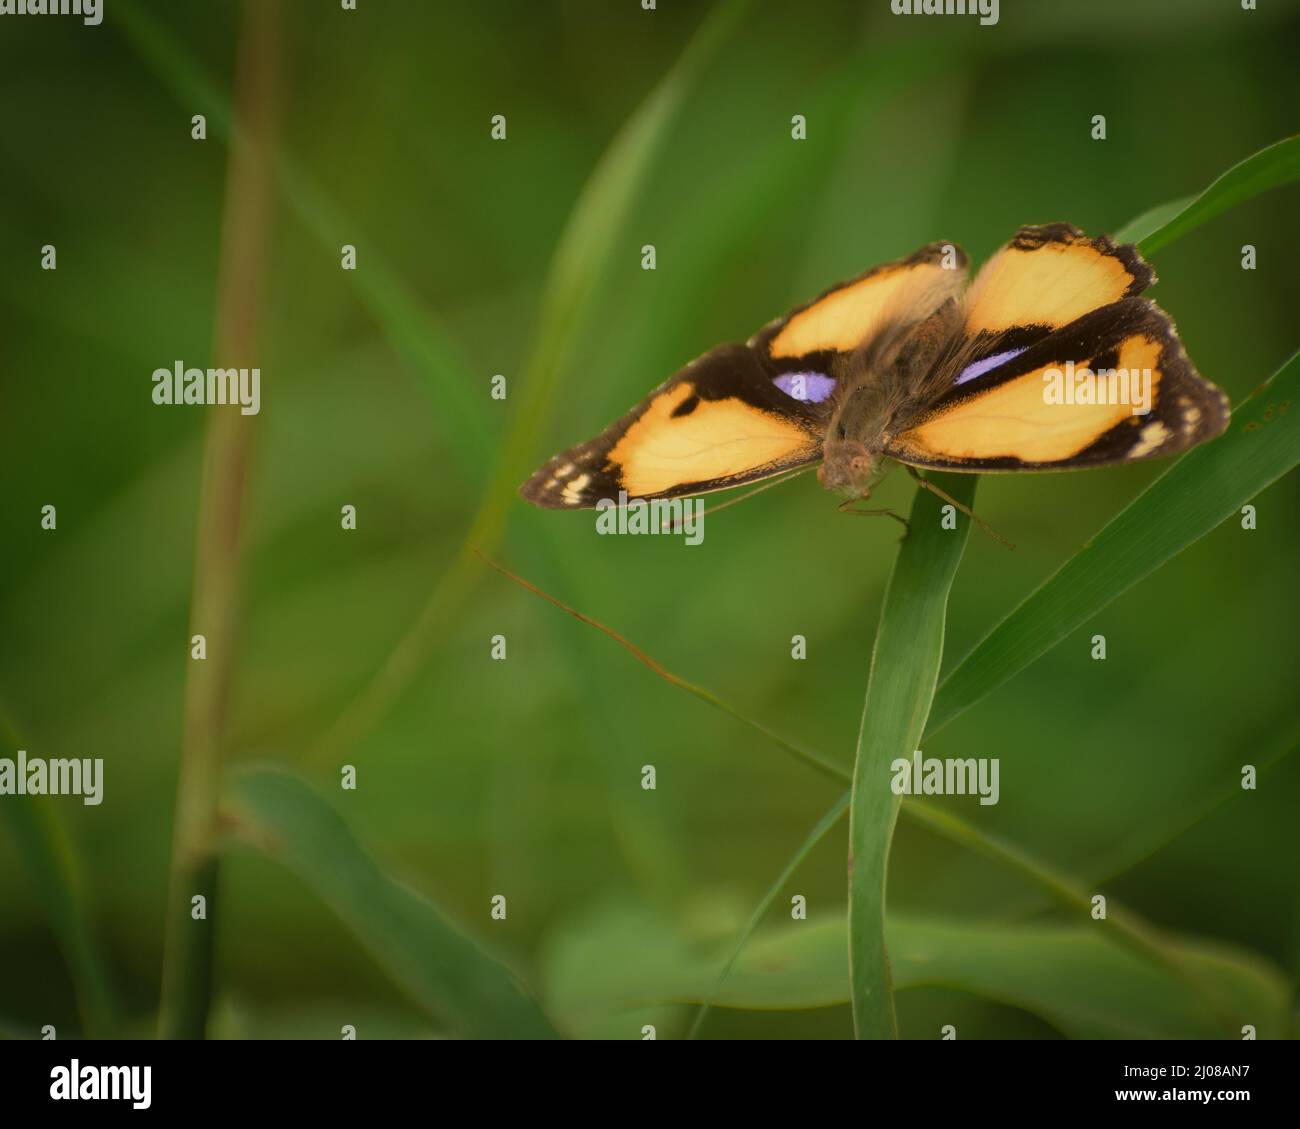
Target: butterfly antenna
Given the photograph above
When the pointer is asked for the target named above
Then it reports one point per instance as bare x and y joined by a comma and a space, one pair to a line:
676, 524
926, 484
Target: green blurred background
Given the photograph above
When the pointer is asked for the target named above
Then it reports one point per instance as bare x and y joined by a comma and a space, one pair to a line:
523, 777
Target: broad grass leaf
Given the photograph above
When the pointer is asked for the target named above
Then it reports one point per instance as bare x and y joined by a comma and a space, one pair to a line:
904, 671
1271, 167
437, 964
1079, 979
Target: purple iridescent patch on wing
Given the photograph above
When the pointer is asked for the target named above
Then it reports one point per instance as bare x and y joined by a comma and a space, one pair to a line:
811, 387
980, 367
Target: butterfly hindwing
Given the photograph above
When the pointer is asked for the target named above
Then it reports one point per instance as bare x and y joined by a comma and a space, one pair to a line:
1019, 415
741, 413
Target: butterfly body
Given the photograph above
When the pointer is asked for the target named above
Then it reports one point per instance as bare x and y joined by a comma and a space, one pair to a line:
1049, 360
886, 385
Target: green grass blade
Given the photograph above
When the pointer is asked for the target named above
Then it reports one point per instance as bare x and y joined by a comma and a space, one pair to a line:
904, 672
1158, 835
813, 760
586, 247
588, 240
1068, 890
51, 865
1127, 927
439, 966
1073, 977
1152, 220
1076, 977
1275, 165
1087, 986
415, 333
815, 836
1202, 489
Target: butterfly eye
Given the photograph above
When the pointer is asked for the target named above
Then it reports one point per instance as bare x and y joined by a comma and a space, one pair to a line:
810, 387
980, 367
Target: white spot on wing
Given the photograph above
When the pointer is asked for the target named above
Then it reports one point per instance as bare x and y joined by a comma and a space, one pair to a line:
573, 492
1151, 437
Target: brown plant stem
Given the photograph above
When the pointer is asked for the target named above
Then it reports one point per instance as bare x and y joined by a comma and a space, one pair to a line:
214, 608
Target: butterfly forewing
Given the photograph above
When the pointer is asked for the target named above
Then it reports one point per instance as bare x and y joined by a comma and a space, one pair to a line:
851, 313
722, 421
1050, 275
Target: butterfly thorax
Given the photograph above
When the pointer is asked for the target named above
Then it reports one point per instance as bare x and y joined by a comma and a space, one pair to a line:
885, 387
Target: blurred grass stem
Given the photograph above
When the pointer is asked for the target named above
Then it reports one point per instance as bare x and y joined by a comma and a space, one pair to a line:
188, 944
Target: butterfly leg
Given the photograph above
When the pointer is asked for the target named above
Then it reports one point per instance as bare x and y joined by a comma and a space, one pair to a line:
845, 508
926, 484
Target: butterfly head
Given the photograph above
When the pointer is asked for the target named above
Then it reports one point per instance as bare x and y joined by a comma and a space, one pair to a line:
849, 468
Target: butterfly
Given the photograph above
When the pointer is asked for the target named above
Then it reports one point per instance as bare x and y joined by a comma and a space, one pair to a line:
1049, 360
